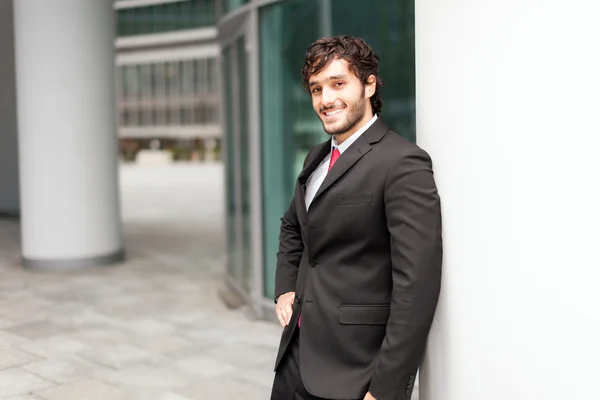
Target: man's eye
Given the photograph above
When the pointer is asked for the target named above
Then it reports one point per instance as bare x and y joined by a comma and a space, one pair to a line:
339, 84
316, 90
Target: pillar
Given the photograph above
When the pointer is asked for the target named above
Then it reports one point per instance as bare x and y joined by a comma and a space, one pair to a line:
70, 212
9, 163
507, 106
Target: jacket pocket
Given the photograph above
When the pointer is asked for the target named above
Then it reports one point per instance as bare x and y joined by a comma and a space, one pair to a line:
352, 199
364, 314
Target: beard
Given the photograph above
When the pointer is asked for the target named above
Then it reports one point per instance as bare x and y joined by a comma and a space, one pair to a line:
355, 114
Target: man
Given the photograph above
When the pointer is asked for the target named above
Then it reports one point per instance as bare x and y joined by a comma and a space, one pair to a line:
360, 253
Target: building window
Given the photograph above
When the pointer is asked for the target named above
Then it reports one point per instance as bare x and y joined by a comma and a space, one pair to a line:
172, 16
230, 5
180, 93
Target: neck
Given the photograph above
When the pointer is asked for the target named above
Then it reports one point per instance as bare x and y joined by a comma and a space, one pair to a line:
341, 137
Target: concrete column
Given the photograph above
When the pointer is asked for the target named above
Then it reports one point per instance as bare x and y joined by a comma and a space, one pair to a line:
70, 210
508, 106
9, 162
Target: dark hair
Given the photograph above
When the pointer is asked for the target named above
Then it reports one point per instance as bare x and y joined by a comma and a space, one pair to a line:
363, 62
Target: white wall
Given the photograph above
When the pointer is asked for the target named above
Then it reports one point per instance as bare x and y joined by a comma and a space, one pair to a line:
9, 163
508, 105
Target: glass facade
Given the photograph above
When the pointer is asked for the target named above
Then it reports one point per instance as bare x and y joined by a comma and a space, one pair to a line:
182, 92
288, 127
166, 17
246, 179
237, 169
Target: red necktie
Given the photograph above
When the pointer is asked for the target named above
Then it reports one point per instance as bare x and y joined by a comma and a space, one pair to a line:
335, 154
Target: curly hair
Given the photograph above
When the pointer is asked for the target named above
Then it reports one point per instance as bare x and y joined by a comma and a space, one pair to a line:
363, 62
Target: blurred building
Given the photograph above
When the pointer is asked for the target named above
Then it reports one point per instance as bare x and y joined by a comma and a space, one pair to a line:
167, 77
269, 122
79, 78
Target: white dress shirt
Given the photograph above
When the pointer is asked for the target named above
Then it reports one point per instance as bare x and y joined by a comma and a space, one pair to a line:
318, 176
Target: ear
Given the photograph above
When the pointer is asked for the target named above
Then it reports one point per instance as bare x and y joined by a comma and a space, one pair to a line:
370, 86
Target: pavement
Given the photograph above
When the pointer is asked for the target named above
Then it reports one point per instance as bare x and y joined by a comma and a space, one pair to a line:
151, 328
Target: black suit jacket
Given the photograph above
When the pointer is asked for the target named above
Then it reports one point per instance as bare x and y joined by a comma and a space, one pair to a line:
365, 263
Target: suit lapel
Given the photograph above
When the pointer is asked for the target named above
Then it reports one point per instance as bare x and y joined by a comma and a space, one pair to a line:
355, 152
311, 164
343, 164
350, 157
319, 154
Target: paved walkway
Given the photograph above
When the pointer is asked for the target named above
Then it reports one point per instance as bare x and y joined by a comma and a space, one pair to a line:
152, 328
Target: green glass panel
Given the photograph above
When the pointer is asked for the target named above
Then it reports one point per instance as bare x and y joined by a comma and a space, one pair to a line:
121, 23
208, 16
289, 127
230, 5
393, 39
172, 16
246, 216
186, 18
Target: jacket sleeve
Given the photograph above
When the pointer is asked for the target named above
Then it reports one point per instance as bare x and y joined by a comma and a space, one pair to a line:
413, 214
290, 252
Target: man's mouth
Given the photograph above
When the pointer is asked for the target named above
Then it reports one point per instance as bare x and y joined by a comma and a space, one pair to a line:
333, 112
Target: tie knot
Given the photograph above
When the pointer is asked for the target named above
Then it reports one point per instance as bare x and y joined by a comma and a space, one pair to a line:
335, 154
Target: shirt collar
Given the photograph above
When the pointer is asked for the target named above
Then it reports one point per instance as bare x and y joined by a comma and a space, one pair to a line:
348, 142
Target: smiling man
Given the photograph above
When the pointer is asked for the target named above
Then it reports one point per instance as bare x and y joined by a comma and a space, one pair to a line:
360, 252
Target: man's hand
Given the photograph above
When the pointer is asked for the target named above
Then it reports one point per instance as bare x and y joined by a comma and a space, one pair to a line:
369, 396
284, 307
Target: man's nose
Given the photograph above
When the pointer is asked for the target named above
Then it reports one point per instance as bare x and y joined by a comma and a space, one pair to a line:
328, 97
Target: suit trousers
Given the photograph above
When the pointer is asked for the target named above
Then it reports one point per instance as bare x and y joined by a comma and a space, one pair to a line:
288, 383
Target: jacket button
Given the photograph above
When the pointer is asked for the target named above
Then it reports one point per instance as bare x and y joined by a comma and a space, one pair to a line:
312, 263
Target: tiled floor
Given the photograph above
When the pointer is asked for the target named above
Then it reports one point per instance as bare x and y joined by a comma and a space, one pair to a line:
151, 328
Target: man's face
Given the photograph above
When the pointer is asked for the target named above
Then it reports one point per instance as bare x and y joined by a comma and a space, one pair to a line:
338, 97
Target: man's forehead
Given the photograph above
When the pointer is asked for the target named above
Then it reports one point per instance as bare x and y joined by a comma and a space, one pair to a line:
335, 69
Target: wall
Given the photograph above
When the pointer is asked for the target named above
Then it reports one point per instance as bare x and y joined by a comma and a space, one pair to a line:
507, 106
